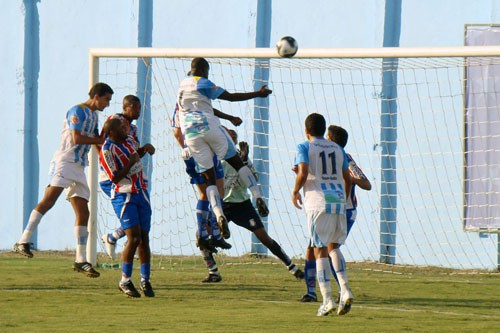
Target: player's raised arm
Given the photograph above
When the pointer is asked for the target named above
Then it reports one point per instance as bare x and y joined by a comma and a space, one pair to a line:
237, 97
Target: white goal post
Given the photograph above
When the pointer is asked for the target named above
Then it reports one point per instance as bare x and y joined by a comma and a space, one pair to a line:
411, 128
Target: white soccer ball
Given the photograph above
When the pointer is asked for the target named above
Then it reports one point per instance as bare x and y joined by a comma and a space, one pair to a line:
287, 47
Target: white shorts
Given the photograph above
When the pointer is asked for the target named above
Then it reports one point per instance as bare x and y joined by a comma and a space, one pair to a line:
70, 176
325, 228
203, 147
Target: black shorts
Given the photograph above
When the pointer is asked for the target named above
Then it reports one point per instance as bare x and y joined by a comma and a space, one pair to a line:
243, 214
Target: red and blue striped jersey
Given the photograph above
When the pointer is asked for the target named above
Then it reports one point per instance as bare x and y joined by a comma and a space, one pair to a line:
114, 157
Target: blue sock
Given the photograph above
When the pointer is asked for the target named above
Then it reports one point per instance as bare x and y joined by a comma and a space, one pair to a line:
145, 272
202, 212
310, 277
214, 227
127, 269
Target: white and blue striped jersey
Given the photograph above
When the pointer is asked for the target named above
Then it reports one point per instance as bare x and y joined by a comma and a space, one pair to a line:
194, 98
80, 118
324, 187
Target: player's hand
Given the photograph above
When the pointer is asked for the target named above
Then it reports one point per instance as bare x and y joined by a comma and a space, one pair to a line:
149, 148
295, 169
186, 153
134, 158
243, 151
100, 139
297, 200
236, 121
263, 91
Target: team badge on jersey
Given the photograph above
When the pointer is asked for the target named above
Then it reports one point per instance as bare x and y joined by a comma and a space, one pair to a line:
74, 119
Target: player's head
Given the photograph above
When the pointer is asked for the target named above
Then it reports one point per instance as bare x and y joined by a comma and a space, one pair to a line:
338, 135
100, 94
131, 107
200, 67
315, 125
115, 129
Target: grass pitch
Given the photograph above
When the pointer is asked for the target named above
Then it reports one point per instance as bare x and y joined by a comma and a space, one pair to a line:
44, 294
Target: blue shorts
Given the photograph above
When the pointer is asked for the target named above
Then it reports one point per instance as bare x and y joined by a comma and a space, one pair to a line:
106, 186
197, 178
133, 209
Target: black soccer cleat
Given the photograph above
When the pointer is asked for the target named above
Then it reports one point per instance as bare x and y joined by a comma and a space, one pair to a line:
220, 243
147, 289
212, 278
129, 290
224, 227
306, 298
205, 245
299, 275
86, 268
262, 207
23, 249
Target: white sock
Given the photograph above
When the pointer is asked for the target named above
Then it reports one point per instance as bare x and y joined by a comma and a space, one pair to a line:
323, 273
81, 235
338, 263
33, 222
249, 179
214, 198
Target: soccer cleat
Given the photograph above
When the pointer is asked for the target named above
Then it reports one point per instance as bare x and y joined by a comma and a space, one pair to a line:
212, 278
23, 249
85, 268
204, 244
306, 298
299, 275
220, 243
147, 289
110, 246
262, 207
128, 289
224, 227
326, 308
345, 303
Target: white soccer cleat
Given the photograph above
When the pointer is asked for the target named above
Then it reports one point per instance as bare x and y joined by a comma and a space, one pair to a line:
326, 308
345, 303
110, 247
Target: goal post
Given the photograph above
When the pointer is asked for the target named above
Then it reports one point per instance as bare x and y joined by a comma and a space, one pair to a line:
411, 145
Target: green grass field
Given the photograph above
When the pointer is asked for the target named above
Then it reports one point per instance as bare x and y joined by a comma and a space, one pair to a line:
43, 294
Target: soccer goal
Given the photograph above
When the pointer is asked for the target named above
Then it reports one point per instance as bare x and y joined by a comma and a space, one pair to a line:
422, 125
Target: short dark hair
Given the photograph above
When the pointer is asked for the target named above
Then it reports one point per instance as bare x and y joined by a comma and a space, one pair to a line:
338, 135
198, 64
100, 89
130, 99
112, 124
315, 124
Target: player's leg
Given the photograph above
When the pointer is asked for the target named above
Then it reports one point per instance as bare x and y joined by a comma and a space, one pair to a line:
144, 249
339, 264
310, 276
213, 271
80, 207
323, 273
350, 219
50, 197
110, 239
321, 229
250, 181
133, 240
216, 238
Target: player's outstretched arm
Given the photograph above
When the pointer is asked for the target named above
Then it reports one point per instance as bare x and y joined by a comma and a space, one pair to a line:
236, 121
238, 97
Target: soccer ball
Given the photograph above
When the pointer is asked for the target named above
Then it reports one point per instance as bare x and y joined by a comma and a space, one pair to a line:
287, 47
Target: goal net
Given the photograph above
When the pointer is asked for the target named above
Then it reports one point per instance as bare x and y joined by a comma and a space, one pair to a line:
412, 130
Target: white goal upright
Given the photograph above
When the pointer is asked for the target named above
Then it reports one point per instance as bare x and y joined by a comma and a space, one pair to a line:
422, 125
